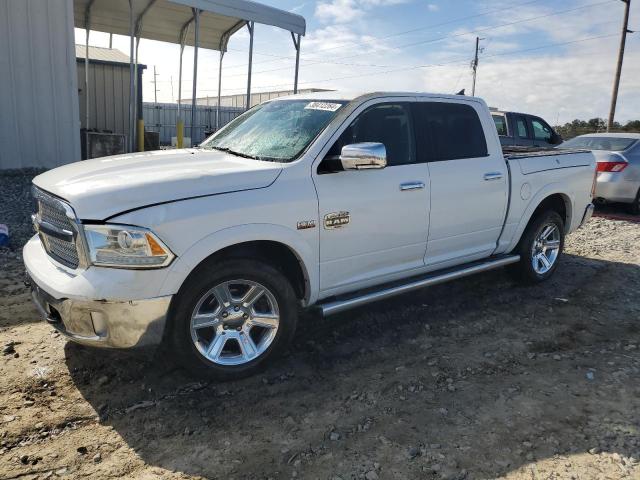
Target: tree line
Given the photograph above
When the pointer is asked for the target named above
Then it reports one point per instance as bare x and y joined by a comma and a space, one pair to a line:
595, 125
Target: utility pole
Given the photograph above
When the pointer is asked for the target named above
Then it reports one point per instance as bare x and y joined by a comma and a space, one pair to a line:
616, 81
172, 97
155, 84
474, 66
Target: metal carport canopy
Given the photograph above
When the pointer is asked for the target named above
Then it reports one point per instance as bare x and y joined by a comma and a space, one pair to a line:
164, 19
198, 23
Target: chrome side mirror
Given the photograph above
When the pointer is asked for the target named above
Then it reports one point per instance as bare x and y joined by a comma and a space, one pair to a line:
363, 156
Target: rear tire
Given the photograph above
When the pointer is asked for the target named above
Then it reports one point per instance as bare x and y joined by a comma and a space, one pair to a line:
539, 248
231, 318
634, 208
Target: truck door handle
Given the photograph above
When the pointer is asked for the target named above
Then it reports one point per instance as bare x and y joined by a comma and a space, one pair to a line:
411, 186
492, 176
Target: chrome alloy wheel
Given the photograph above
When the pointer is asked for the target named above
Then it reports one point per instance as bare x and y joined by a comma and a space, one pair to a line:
235, 322
545, 249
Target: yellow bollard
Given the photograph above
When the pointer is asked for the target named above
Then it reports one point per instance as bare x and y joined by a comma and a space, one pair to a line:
180, 134
140, 135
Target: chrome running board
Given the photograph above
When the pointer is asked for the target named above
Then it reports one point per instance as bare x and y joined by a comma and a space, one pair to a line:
434, 278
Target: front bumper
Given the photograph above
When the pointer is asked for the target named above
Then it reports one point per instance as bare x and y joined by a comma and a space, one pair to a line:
102, 323
75, 304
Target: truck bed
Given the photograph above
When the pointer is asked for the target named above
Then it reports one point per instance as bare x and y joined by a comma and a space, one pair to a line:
512, 151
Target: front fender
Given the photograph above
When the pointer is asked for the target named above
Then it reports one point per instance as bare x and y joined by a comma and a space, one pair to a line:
227, 237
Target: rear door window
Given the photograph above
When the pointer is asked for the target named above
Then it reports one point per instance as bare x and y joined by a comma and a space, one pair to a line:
522, 130
448, 131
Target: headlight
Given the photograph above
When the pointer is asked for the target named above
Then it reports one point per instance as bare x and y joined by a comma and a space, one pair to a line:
125, 247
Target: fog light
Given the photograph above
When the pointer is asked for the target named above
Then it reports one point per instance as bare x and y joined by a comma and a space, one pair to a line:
99, 321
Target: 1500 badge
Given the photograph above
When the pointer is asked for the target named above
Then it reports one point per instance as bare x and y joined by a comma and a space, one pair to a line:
336, 220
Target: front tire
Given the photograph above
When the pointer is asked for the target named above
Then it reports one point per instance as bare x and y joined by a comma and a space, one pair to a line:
539, 248
231, 318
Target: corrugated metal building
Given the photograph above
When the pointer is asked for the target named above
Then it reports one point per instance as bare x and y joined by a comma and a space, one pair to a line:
161, 118
238, 101
39, 121
108, 89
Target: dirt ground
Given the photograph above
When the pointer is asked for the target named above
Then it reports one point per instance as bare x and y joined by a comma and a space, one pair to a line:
475, 379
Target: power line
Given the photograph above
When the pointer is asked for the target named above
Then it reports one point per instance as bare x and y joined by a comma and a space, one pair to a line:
490, 39
444, 37
432, 65
396, 34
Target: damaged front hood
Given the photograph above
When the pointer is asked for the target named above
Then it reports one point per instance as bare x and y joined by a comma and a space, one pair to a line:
103, 187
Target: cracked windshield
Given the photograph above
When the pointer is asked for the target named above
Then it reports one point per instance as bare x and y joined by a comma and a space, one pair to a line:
276, 131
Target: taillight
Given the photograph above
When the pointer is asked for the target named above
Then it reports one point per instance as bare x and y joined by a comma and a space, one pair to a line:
611, 166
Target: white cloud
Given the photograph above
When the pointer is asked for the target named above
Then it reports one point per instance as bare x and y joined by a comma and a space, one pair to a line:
337, 11
342, 11
432, 7
297, 8
572, 85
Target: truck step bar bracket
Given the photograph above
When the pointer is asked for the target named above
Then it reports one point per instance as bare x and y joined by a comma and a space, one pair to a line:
340, 304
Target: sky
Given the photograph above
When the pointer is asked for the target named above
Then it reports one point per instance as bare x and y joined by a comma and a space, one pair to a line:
551, 58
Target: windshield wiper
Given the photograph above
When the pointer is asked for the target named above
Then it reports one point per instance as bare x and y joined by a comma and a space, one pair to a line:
246, 155
238, 154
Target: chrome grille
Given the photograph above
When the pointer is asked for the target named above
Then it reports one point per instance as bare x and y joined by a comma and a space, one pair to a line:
54, 212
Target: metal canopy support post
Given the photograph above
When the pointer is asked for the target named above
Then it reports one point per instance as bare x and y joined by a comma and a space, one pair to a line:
196, 16
224, 40
180, 121
139, 122
296, 43
87, 23
132, 107
139, 129
250, 26
219, 90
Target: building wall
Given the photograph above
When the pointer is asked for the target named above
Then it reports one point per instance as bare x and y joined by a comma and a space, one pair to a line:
39, 122
238, 101
108, 96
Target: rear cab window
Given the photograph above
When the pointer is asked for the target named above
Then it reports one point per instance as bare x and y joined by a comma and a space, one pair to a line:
448, 131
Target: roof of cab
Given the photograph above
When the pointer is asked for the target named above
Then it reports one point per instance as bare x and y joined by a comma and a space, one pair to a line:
349, 95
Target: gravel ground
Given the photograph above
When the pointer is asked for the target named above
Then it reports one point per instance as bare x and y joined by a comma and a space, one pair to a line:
17, 205
474, 379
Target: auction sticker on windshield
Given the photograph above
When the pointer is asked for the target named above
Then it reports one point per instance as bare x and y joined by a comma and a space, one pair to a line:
329, 107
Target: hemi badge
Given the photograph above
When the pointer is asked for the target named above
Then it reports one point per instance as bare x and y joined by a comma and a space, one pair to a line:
304, 224
336, 220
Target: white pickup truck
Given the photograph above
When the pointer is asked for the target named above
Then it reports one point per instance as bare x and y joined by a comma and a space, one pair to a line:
325, 200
